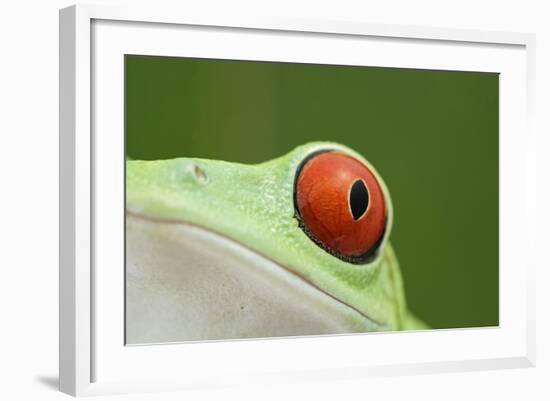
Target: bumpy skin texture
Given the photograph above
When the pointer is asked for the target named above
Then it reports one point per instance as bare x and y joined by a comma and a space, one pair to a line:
253, 205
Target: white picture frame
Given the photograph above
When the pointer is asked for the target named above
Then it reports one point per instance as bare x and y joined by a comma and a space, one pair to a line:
93, 358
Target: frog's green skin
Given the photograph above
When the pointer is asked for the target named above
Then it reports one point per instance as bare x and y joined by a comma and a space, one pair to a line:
243, 215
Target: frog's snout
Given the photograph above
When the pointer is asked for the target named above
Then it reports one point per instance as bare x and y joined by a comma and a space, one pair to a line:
189, 170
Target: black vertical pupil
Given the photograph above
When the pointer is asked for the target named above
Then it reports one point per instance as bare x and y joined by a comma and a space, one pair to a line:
358, 199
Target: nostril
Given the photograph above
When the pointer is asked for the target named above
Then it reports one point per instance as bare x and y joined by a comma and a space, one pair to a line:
200, 174
188, 171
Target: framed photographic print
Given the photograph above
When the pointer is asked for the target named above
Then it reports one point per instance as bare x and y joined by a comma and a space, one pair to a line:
251, 199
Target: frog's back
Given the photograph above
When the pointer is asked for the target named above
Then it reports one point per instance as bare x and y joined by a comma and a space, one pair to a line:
406, 320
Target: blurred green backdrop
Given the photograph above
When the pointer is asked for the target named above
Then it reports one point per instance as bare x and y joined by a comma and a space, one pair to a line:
432, 135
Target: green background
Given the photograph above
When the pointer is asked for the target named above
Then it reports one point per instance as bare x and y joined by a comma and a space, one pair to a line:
432, 135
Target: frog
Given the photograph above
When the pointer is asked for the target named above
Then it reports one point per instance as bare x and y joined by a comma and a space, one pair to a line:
294, 246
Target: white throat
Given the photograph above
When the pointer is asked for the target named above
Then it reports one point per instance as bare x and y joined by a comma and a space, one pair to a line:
185, 283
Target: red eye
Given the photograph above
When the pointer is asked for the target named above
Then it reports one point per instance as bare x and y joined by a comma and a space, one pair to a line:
341, 206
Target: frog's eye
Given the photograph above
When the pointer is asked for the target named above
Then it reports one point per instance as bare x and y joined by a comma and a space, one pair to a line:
340, 205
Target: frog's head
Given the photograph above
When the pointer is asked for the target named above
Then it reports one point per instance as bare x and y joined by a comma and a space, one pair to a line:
320, 215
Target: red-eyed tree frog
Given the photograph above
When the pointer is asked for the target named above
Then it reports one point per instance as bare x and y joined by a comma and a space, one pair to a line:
298, 245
